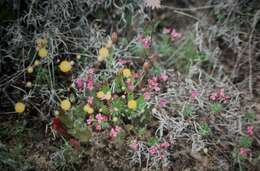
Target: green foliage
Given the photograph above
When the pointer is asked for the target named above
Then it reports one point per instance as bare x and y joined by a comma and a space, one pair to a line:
245, 141
66, 158
250, 116
152, 141
204, 129
188, 110
216, 107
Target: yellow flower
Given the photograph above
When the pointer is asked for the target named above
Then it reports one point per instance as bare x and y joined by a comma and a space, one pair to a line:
65, 66
102, 54
65, 104
100, 94
88, 109
29, 84
29, 69
19, 107
36, 63
43, 53
127, 73
132, 104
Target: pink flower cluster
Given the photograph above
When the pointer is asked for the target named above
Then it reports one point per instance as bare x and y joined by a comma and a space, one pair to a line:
153, 84
173, 33
250, 130
89, 81
90, 100
101, 118
163, 102
194, 94
146, 41
219, 96
114, 131
123, 61
90, 120
156, 148
130, 85
147, 95
244, 152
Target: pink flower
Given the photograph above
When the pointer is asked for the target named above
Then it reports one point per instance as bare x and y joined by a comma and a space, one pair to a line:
166, 30
114, 131
165, 145
163, 77
91, 71
146, 41
244, 151
250, 130
79, 83
153, 150
136, 75
122, 61
130, 85
163, 102
153, 84
194, 94
175, 35
90, 120
221, 93
98, 127
90, 84
147, 96
134, 145
213, 96
100, 118
90, 100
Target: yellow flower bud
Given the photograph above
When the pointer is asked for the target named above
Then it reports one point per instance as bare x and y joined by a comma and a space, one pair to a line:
127, 73
100, 94
29, 84
65, 66
102, 54
42, 52
65, 104
88, 109
132, 104
36, 63
30, 69
19, 107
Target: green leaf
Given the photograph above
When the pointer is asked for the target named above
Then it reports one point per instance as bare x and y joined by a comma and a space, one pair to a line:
140, 103
104, 125
188, 110
216, 107
83, 136
66, 121
152, 141
250, 116
204, 129
245, 141
119, 105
